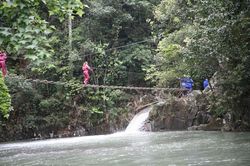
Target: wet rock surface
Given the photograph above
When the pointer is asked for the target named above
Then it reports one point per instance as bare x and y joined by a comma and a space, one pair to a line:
188, 112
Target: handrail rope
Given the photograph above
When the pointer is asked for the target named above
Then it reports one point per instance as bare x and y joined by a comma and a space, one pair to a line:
109, 49
121, 71
131, 44
96, 86
100, 69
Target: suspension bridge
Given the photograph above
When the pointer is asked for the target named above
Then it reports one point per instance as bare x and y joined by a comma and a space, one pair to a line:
44, 81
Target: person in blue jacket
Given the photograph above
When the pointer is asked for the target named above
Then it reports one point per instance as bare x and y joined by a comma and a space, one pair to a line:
205, 83
187, 83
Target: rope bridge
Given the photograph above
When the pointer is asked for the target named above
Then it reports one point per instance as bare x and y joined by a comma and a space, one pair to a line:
11, 76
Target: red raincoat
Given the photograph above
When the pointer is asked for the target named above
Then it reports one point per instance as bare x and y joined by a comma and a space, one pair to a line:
85, 70
3, 58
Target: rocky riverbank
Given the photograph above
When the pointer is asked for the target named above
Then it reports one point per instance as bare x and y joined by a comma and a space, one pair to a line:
191, 112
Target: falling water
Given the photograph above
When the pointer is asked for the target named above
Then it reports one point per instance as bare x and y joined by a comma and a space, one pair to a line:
138, 121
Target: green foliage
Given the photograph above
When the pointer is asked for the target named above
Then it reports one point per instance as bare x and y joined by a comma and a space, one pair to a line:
191, 38
32, 31
171, 62
31, 38
63, 8
5, 99
24, 31
74, 87
201, 38
106, 26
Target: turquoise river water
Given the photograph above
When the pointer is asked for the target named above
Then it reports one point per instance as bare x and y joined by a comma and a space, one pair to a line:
127, 149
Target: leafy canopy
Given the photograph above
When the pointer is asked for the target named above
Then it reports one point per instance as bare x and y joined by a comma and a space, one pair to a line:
25, 30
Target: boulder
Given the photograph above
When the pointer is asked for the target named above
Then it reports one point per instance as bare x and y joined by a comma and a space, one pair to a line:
188, 112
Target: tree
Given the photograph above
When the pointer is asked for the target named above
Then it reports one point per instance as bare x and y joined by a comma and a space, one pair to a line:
24, 30
200, 38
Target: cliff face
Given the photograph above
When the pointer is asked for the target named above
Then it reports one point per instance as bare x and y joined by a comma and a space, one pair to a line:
188, 112
193, 112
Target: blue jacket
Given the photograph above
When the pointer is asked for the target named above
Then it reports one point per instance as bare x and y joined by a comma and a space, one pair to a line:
205, 83
187, 83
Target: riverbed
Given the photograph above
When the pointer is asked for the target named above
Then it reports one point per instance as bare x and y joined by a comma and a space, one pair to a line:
126, 149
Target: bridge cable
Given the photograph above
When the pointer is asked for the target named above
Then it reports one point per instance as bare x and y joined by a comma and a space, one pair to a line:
11, 76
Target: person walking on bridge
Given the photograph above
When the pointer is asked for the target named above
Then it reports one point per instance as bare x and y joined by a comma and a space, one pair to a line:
3, 58
85, 70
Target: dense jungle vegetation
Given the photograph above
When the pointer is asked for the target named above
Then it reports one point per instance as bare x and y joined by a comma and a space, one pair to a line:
127, 42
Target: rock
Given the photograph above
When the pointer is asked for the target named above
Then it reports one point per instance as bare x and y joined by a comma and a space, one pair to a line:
146, 127
171, 115
69, 131
200, 127
51, 135
189, 112
80, 131
214, 124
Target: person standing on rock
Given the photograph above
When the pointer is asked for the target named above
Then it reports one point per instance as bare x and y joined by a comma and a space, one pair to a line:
85, 70
205, 83
187, 83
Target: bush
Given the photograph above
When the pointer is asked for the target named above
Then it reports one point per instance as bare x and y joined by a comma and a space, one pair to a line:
5, 99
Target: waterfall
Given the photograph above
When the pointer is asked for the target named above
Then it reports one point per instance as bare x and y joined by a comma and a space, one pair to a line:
138, 121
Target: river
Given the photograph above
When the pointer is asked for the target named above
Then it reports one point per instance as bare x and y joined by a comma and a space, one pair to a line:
142, 148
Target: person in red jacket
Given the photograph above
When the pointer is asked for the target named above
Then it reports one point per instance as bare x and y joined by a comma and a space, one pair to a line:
85, 70
3, 58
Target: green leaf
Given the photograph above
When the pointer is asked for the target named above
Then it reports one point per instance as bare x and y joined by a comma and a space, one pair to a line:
80, 12
96, 110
